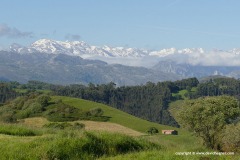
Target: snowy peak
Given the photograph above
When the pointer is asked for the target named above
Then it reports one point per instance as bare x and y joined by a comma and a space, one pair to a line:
77, 48
56, 47
80, 48
47, 46
132, 56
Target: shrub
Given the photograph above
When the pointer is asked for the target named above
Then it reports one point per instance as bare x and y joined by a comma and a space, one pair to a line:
96, 112
231, 138
43, 100
77, 125
18, 103
8, 118
152, 130
61, 112
23, 114
32, 109
36, 108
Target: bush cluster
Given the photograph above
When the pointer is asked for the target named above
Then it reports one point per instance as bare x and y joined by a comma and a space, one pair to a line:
36, 104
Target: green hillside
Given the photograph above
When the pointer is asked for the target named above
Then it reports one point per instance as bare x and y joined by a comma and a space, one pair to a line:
19, 141
116, 116
175, 108
183, 141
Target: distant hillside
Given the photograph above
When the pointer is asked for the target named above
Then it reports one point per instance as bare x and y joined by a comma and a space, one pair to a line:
116, 116
199, 71
66, 109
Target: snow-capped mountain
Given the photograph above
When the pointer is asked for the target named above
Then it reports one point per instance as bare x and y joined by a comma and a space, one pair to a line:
80, 48
77, 48
77, 60
133, 56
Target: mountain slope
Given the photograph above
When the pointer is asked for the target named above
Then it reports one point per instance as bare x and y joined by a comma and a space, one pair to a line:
199, 71
188, 62
65, 69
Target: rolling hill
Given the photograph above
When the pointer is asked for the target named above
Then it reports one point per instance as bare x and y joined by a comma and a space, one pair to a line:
97, 141
116, 116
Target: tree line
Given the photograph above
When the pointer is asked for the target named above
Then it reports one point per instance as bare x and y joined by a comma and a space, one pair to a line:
217, 87
149, 101
6, 93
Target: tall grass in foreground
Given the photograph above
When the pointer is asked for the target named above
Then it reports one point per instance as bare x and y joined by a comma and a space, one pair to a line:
166, 155
17, 130
73, 145
172, 145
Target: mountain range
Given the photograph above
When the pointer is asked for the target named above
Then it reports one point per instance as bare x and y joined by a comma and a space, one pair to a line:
133, 56
65, 69
77, 48
78, 62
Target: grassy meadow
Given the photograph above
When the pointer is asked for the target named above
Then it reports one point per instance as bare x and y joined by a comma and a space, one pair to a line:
123, 136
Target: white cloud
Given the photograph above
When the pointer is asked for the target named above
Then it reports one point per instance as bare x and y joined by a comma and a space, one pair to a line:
6, 31
208, 58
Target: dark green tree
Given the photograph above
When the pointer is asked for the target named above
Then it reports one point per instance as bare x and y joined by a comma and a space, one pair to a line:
43, 100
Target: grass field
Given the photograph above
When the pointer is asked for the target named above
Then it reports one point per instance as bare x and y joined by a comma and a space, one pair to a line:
183, 142
175, 107
116, 116
122, 137
182, 93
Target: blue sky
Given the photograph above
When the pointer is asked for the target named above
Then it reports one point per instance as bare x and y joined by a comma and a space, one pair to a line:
150, 24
